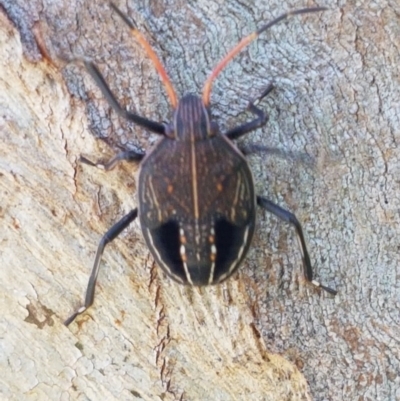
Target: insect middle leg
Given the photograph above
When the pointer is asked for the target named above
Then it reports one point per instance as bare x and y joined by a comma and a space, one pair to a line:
128, 155
109, 236
292, 219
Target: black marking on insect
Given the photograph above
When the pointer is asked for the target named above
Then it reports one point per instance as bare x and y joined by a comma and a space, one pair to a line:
196, 199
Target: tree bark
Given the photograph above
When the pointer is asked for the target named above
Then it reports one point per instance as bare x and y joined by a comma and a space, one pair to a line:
264, 334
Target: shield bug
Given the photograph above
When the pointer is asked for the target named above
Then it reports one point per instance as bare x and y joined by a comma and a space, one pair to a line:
196, 197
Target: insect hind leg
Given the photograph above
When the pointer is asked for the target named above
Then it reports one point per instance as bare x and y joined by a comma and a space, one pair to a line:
109, 236
292, 219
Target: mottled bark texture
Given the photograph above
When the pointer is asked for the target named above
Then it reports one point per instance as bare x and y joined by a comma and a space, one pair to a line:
265, 334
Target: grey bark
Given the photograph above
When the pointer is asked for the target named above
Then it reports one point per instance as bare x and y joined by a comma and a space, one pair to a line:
264, 334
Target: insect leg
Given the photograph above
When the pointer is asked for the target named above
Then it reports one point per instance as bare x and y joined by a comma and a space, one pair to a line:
128, 155
302, 158
109, 236
262, 117
292, 219
113, 102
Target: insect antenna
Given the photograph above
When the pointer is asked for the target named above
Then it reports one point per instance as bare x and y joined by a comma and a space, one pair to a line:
150, 52
243, 43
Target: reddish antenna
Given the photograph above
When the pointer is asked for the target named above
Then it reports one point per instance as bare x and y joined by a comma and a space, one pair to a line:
150, 52
243, 43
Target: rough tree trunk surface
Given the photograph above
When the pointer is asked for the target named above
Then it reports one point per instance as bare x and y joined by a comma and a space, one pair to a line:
264, 334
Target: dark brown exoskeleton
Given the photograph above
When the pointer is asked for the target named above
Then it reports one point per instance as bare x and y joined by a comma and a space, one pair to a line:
196, 199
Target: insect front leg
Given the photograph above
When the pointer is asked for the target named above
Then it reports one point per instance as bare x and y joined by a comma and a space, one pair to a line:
152, 126
292, 219
109, 236
262, 117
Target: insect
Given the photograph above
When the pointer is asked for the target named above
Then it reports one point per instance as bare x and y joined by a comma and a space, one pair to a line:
196, 197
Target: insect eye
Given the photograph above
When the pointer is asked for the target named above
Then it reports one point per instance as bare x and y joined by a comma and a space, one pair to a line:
213, 128
169, 131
